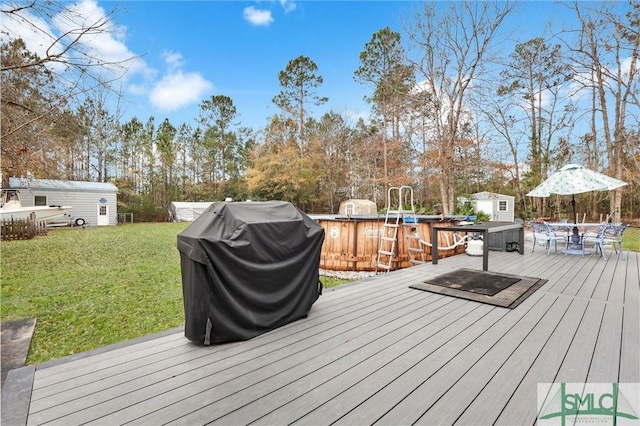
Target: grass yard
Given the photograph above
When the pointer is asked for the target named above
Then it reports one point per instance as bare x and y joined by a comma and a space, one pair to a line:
631, 239
94, 287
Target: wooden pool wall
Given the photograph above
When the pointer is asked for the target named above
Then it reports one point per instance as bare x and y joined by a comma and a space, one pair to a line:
351, 243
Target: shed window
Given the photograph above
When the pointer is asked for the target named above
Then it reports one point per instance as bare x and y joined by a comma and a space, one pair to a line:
40, 200
502, 206
103, 211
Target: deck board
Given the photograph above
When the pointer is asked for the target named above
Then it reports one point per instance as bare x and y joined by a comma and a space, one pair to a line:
629, 362
463, 385
259, 380
515, 407
522, 403
349, 389
438, 371
375, 351
234, 364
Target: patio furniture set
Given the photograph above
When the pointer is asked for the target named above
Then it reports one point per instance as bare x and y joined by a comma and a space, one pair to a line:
577, 237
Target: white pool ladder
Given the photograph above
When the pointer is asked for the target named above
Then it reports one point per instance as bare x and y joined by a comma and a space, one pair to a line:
396, 216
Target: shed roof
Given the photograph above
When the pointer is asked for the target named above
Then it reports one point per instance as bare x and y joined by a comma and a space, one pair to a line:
489, 196
61, 185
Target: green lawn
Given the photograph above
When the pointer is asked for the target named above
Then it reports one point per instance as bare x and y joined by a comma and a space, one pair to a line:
631, 240
93, 287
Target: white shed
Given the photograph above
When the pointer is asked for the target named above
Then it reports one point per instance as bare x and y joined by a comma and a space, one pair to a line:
93, 203
499, 207
185, 211
355, 206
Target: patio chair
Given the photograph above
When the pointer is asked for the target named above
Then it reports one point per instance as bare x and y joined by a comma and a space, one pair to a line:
543, 233
610, 235
616, 237
603, 236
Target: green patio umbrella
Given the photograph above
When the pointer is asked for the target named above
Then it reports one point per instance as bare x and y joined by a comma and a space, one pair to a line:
574, 179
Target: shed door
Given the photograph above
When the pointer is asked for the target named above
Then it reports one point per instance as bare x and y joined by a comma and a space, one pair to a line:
485, 206
103, 214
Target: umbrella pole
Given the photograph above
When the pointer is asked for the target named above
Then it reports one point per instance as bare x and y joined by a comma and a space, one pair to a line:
575, 238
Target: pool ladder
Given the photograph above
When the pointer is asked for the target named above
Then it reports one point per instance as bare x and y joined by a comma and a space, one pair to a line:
392, 222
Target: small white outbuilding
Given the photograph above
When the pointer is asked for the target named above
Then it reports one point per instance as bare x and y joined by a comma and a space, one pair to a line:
499, 207
356, 206
186, 211
93, 203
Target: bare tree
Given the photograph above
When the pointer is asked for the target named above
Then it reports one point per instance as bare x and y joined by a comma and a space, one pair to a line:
605, 59
50, 42
453, 46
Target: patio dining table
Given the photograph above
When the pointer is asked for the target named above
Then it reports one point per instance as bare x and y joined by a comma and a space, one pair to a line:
575, 232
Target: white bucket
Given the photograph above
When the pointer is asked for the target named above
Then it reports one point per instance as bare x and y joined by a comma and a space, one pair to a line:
474, 247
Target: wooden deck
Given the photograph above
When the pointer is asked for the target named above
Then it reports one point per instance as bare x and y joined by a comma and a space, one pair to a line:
371, 352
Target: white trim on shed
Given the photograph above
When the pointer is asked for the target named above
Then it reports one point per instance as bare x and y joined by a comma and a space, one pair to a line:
94, 202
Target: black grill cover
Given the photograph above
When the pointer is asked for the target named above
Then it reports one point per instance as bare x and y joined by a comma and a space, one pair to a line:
248, 268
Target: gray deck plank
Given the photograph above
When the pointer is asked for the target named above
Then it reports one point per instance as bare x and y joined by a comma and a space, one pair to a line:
400, 395
605, 363
578, 275
512, 391
343, 373
340, 403
618, 281
354, 348
512, 351
66, 371
605, 280
629, 353
568, 362
164, 380
590, 284
373, 351
100, 396
93, 373
369, 358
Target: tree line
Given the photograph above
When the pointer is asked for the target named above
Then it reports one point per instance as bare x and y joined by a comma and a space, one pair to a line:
451, 115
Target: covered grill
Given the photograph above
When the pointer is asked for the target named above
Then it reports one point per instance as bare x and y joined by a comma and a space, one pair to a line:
248, 268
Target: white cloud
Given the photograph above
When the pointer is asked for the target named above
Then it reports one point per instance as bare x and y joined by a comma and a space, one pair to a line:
177, 90
38, 36
257, 17
288, 5
173, 59
105, 44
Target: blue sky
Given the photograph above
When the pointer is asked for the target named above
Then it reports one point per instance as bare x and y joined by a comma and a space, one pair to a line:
240, 57
191, 50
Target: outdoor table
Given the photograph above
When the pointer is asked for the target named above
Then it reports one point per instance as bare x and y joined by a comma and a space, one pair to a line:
482, 228
574, 238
